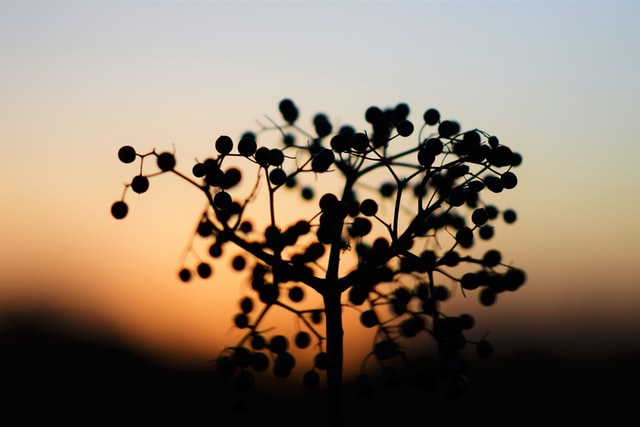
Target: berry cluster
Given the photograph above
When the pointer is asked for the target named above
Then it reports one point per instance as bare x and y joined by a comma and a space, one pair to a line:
409, 214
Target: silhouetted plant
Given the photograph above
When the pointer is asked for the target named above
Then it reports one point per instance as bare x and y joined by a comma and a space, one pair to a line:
408, 214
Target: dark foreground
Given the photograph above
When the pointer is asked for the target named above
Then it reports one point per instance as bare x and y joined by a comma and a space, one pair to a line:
58, 379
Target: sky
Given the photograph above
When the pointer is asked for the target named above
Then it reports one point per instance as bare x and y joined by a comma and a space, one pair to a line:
555, 80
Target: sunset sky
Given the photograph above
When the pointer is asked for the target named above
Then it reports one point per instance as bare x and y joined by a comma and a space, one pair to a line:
555, 80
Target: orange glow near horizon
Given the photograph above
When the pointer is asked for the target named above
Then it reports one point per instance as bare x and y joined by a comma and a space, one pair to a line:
79, 80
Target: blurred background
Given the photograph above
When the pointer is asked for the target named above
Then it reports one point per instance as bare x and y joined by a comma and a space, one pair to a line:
555, 80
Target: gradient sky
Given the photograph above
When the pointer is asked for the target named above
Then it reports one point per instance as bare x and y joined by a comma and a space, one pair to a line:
555, 80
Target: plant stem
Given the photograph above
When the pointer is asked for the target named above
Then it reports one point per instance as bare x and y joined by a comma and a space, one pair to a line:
334, 333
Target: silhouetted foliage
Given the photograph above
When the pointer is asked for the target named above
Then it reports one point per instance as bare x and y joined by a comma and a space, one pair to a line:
408, 213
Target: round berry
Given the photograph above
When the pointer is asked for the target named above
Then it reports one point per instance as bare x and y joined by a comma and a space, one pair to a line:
425, 157
404, 128
387, 189
321, 361
316, 317
340, 143
431, 116
241, 320
307, 193
359, 142
198, 170
369, 318
491, 258
247, 146
296, 294
288, 140
119, 209
276, 157
509, 180
501, 156
373, 114
360, 227
279, 344
288, 110
322, 125
238, 263
184, 274
509, 216
283, 365
516, 159
259, 361
215, 250
258, 342
222, 200
277, 176
493, 183
479, 217
488, 297
448, 128
204, 270
369, 207
246, 305
302, 339
224, 144
323, 160
140, 184
166, 161
464, 237
127, 154
486, 232
262, 156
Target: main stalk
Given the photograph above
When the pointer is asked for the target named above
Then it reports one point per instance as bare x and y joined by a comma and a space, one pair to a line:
334, 334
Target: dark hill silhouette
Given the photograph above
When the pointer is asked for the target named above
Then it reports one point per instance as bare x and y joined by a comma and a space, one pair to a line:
55, 376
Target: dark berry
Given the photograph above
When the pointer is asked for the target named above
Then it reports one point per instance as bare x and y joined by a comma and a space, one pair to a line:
246, 305
184, 274
479, 217
404, 128
140, 184
222, 200
241, 320
224, 144
302, 339
288, 110
119, 209
321, 361
247, 146
296, 294
448, 128
509, 180
238, 263
279, 344
166, 161
369, 318
204, 270
359, 142
491, 258
369, 207
431, 116
277, 176
509, 216
276, 157
127, 154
